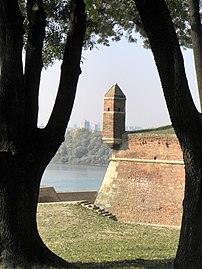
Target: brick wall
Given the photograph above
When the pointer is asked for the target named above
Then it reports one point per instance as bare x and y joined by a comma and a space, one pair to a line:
48, 194
145, 180
153, 147
113, 117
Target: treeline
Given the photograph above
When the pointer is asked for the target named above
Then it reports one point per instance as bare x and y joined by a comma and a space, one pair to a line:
82, 146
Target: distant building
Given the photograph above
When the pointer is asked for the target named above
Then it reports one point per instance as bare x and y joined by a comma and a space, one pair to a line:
85, 125
130, 128
69, 129
97, 127
133, 128
41, 126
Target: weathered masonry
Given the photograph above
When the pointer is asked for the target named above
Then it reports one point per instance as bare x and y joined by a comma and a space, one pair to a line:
144, 182
114, 116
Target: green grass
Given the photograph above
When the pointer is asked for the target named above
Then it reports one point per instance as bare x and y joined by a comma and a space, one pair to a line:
86, 239
168, 129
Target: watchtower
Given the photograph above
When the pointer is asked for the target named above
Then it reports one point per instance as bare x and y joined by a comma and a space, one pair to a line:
114, 117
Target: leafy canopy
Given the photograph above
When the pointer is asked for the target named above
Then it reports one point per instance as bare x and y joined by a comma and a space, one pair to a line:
107, 21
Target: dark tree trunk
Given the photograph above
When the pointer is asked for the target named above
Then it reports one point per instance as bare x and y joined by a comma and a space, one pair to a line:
20, 242
11, 79
25, 150
196, 36
186, 121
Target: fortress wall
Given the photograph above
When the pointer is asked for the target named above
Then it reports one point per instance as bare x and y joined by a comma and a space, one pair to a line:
144, 182
159, 147
48, 194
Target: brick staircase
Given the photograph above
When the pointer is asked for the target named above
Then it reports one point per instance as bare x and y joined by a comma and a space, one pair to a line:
98, 210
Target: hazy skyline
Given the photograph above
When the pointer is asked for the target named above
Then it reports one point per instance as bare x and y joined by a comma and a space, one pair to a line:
132, 68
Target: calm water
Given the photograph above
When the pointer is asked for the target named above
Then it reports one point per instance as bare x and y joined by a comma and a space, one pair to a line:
65, 177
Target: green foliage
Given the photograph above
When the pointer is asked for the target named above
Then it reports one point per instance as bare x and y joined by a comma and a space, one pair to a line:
125, 21
82, 146
179, 11
112, 23
106, 21
92, 9
58, 15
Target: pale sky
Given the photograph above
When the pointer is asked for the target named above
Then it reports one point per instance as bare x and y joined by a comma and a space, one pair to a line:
133, 69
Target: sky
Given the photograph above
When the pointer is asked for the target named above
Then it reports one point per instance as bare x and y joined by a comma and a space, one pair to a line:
130, 66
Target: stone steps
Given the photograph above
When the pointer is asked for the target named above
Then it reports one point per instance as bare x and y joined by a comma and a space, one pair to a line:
98, 210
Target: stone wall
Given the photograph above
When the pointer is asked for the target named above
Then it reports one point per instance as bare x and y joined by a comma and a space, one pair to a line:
144, 182
48, 194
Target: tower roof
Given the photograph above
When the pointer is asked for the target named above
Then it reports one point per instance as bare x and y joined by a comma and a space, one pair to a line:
115, 91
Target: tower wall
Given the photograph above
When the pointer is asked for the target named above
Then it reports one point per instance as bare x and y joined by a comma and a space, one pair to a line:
114, 116
144, 182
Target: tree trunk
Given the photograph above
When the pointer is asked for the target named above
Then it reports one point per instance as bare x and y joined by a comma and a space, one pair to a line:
186, 121
20, 243
25, 150
196, 36
189, 254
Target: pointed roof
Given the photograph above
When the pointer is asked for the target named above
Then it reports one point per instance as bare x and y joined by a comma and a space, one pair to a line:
115, 91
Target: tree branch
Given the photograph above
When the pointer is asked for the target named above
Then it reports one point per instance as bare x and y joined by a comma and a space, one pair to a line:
168, 57
70, 71
33, 63
11, 75
196, 36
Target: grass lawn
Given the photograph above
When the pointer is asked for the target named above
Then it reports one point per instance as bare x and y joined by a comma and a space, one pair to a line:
84, 238
168, 130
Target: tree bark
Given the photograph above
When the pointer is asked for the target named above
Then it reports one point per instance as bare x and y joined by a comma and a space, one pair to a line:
186, 121
196, 36
33, 62
70, 71
11, 80
25, 150
20, 243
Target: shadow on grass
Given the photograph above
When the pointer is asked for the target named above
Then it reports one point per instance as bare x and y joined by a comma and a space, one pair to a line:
130, 264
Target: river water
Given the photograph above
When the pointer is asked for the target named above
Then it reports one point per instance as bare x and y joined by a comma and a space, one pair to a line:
66, 177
